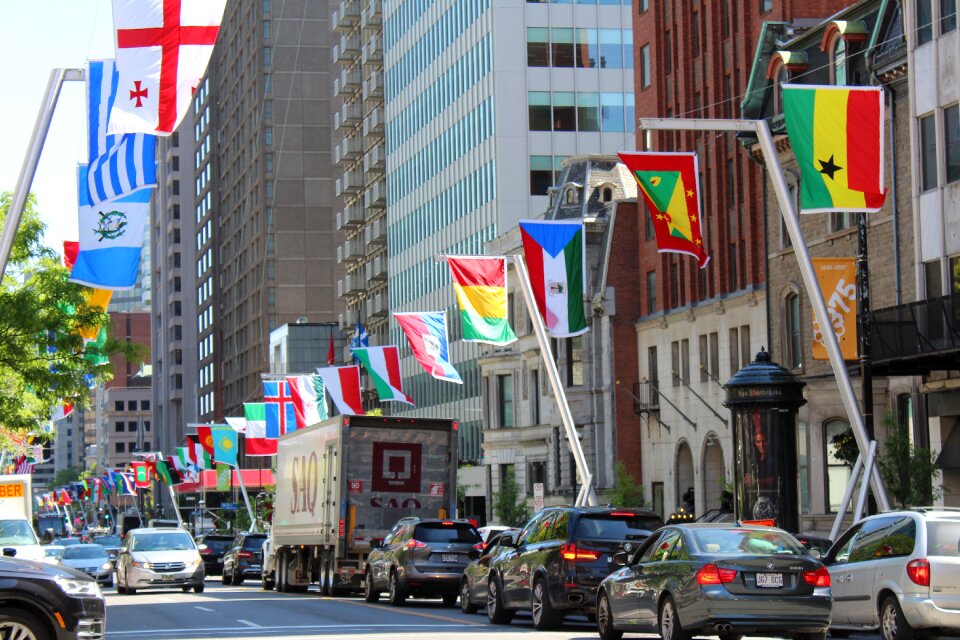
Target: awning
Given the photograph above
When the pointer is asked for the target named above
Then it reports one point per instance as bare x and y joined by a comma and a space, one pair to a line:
252, 478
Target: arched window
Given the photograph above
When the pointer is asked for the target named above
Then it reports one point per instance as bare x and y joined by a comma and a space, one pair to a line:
572, 196
782, 77
840, 62
838, 471
793, 339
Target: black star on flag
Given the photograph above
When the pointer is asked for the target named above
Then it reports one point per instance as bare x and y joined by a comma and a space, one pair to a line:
828, 168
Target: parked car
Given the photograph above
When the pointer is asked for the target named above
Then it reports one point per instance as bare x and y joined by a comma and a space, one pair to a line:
421, 558
159, 558
112, 544
487, 532
473, 584
91, 559
41, 600
268, 572
819, 544
52, 553
242, 559
559, 559
716, 579
898, 572
216, 545
67, 541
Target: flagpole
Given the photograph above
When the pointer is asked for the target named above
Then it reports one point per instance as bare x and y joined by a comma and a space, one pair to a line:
246, 501
586, 495
765, 139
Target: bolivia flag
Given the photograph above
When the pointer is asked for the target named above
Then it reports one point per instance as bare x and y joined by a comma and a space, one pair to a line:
481, 286
342, 384
383, 365
554, 250
258, 444
427, 334
837, 136
670, 185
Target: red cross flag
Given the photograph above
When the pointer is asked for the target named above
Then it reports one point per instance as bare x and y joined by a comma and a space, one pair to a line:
163, 47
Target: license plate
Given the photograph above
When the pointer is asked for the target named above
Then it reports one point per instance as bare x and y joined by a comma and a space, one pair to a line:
166, 576
770, 580
449, 557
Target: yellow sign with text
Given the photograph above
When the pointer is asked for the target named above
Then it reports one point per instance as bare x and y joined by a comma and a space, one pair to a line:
838, 282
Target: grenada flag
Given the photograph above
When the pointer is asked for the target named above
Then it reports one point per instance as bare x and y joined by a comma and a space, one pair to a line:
670, 183
837, 136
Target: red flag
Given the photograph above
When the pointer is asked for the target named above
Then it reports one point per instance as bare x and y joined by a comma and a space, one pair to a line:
205, 437
331, 353
141, 474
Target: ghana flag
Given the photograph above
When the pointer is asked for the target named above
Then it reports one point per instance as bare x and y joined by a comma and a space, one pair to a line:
837, 136
481, 287
671, 188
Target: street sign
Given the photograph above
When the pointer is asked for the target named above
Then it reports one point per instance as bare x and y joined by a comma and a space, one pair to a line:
537, 496
229, 506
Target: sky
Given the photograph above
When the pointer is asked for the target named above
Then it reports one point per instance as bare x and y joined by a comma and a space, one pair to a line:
36, 37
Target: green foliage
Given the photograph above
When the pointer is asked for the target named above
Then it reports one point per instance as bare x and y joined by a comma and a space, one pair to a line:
43, 359
845, 447
65, 477
510, 505
377, 411
909, 473
626, 492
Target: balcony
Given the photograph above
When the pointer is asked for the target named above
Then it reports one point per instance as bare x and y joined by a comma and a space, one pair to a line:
348, 82
375, 197
347, 15
353, 284
375, 235
350, 251
371, 17
350, 184
350, 115
646, 397
350, 149
348, 49
376, 306
376, 269
372, 52
348, 319
374, 161
916, 338
351, 217
373, 123
373, 88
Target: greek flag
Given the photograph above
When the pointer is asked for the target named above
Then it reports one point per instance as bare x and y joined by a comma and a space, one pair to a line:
119, 164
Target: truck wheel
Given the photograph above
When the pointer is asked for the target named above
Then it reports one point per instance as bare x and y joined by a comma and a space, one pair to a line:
397, 594
326, 581
281, 573
20, 624
370, 593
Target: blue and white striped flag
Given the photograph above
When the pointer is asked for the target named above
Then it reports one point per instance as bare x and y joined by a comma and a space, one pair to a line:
119, 164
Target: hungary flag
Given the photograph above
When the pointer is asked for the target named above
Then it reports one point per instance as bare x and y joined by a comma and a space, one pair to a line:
554, 250
837, 136
383, 366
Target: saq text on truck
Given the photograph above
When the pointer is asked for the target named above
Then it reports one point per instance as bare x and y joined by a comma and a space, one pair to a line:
343, 483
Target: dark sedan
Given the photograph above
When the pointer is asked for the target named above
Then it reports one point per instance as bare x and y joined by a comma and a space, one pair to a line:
214, 546
717, 579
473, 584
40, 600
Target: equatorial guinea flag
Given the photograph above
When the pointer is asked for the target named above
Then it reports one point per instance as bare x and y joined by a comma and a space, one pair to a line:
342, 384
554, 250
837, 136
383, 366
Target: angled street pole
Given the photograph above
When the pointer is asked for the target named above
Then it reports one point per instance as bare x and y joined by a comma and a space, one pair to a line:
765, 139
29, 168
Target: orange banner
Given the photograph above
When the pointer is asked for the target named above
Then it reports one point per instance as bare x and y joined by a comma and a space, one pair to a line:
838, 282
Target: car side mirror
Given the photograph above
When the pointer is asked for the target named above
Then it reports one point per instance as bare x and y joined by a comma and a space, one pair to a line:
508, 541
816, 553
376, 544
621, 558
9, 552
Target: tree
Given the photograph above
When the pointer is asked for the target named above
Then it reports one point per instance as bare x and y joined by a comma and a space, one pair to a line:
509, 504
43, 359
909, 473
65, 477
626, 492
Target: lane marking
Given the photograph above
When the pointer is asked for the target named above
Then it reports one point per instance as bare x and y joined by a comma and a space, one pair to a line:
352, 627
432, 616
248, 623
203, 608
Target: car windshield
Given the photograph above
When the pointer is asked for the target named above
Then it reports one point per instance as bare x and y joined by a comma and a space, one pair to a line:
217, 544
751, 541
53, 552
84, 552
616, 527
172, 541
943, 538
16, 532
253, 542
108, 541
440, 532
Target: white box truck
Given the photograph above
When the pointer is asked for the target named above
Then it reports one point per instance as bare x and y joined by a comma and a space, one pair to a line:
343, 483
17, 536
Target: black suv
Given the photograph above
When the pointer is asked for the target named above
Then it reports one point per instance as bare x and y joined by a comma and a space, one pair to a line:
41, 600
242, 559
559, 559
421, 558
216, 545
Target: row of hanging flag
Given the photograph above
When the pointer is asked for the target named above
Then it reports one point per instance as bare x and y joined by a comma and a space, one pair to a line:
109, 482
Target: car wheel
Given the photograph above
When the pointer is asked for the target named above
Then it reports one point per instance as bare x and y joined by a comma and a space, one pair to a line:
670, 628
121, 590
199, 588
605, 619
496, 612
237, 577
108, 583
465, 605
266, 582
370, 593
20, 625
185, 589
397, 596
545, 617
893, 624
449, 599
131, 591
225, 578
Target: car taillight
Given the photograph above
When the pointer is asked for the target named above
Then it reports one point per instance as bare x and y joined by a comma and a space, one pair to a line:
205, 552
480, 546
919, 571
712, 574
818, 578
415, 544
245, 554
570, 551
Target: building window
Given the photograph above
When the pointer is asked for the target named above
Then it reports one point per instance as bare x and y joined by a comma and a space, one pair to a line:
505, 394
118, 447
924, 13
840, 62
535, 396
674, 286
586, 48
766, 5
675, 363
704, 358
118, 427
651, 291
538, 47
574, 361
838, 472
564, 111
951, 135
803, 467
538, 104
645, 79
715, 355
928, 153
588, 111
933, 279
561, 47
794, 344
948, 16
685, 362
840, 220
536, 473
734, 351
695, 34
611, 48
745, 351
541, 175
653, 369
732, 267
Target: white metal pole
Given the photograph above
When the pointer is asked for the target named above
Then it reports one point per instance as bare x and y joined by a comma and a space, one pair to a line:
847, 495
867, 470
32, 158
586, 496
765, 140
246, 500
